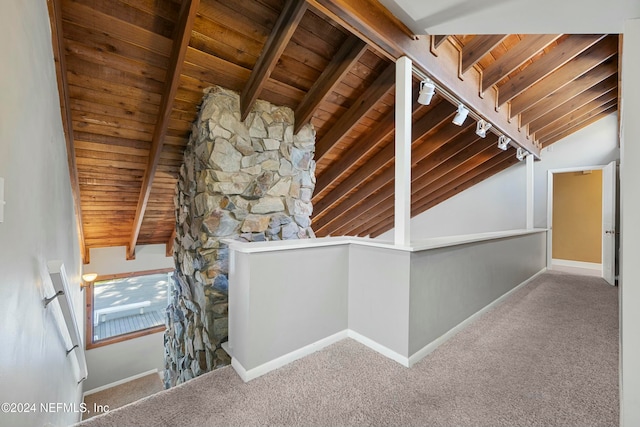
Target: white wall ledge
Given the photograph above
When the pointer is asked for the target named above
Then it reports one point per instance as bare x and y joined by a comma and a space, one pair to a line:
417, 246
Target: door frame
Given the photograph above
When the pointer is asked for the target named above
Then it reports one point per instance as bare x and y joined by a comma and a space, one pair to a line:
550, 173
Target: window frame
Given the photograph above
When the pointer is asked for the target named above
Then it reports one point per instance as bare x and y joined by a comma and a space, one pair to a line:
89, 341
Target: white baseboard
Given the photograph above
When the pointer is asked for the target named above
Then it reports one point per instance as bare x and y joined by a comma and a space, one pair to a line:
577, 267
427, 349
248, 375
122, 381
387, 352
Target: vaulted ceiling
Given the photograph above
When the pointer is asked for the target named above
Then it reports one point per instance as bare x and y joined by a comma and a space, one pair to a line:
131, 75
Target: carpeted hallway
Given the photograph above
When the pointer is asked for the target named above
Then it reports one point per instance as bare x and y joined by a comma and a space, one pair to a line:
547, 356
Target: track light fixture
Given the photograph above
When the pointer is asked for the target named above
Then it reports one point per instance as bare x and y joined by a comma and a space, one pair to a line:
427, 89
461, 115
503, 142
521, 154
482, 127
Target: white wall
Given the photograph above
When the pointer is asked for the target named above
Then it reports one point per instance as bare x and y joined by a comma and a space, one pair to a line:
496, 204
115, 362
113, 260
630, 230
594, 145
39, 222
519, 17
499, 203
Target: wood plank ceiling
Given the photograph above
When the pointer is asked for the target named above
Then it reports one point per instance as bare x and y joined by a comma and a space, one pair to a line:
132, 73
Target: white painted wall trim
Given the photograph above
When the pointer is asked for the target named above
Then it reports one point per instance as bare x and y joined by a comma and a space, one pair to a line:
402, 208
577, 264
530, 193
550, 173
248, 375
429, 348
387, 352
577, 267
122, 381
416, 246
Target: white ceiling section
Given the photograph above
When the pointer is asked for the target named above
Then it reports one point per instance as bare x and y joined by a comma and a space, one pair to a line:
514, 16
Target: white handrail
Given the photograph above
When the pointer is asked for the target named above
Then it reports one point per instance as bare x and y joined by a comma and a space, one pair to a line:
61, 287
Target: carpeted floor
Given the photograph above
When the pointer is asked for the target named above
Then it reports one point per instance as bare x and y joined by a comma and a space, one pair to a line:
547, 356
123, 394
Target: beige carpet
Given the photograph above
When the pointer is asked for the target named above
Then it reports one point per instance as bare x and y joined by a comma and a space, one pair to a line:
121, 395
547, 356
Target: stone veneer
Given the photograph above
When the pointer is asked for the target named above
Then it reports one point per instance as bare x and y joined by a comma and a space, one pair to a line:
251, 181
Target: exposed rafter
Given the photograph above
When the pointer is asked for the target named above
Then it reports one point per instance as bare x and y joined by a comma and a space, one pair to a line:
57, 41
372, 22
602, 75
478, 47
515, 57
578, 66
366, 101
570, 48
318, 61
575, 105
176, 60
578, 124
602, 103
438, 40
428, 168
381, 159
383, 130
470, 157
348, 54
470, 179
383, 181
170, 243
280, 35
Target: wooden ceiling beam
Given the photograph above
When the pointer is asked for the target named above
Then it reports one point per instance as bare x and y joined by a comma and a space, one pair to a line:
58, 46
443, 159
365, 143
587, 81
382, 31
496, 164
602, 103
381, 159
383, 130
580, 122
593, 57
438, 40
465, 160
346, 57
477, 48
564, 52
569, 107
460, 186
385, 178
170, 243
365, 102
454, 168
515, 57
280, 35
176, 60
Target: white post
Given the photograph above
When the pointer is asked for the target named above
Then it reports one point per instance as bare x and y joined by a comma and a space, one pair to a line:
402, 211
530, 177
630, 228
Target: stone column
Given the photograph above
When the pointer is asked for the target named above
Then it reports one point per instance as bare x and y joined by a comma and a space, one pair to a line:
251, 181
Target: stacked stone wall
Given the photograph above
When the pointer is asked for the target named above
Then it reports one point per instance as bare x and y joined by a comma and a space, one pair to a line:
251, 181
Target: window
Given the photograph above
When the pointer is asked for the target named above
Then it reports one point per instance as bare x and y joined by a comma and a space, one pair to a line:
125, 306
